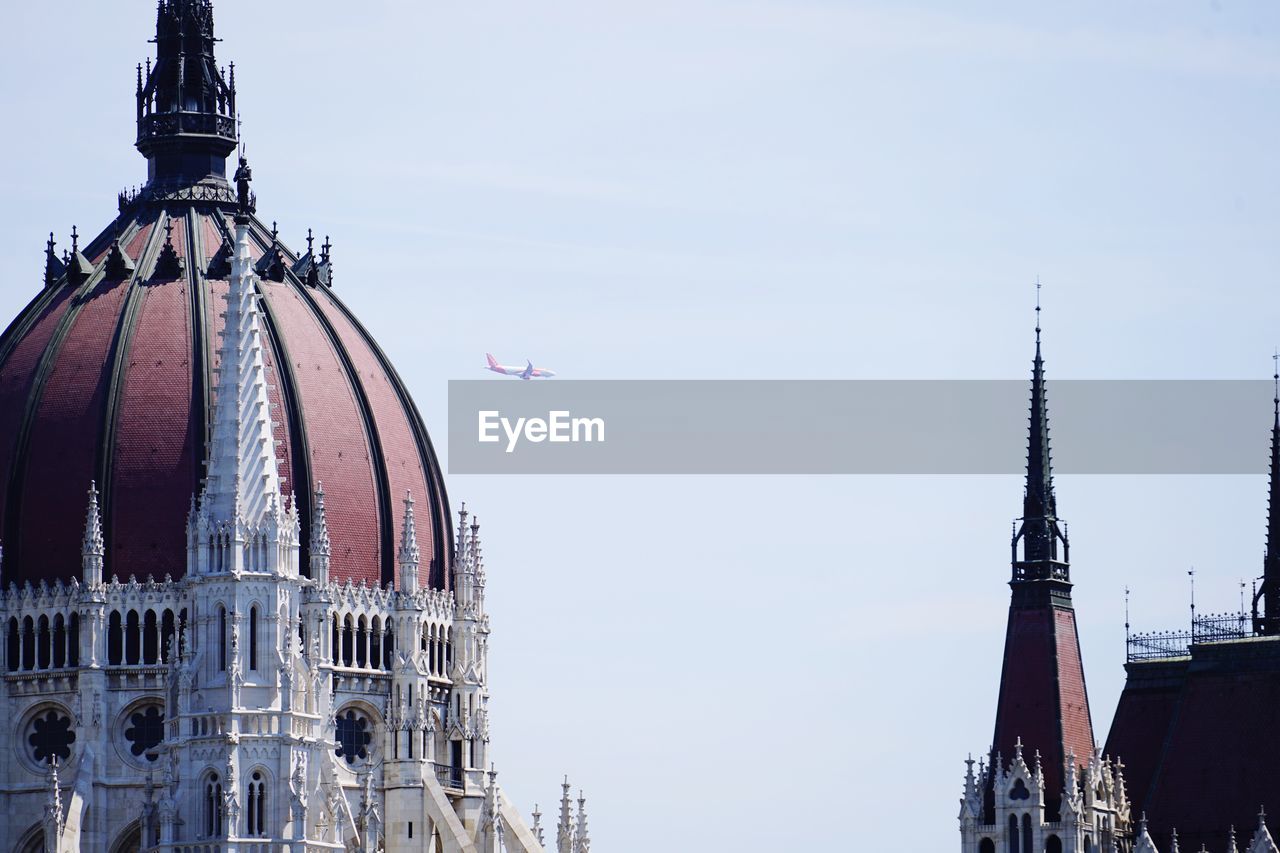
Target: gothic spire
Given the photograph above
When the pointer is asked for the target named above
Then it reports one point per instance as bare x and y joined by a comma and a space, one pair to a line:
243, 481
92, 551
1039, 530
408, 557
1268, 622
564, 826
319, 549
186, 109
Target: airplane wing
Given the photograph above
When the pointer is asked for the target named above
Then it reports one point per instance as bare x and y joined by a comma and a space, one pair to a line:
527, 373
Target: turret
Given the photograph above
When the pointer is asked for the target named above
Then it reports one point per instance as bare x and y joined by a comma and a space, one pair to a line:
320, 549
407, 558
92, 551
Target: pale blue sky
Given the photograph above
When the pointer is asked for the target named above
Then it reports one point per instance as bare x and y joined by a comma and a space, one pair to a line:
764, 189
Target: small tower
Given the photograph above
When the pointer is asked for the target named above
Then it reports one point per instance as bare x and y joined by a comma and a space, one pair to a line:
319, 551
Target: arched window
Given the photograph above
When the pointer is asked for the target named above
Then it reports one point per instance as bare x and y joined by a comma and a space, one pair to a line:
256, 803
167, 650
115, 640
1026, 834
43, 644
986, 846
222, 638
1014, 846
132, 638
1053, 844
348, 643
253, 638
1088, 844
362, 643
12, 644
59, 642
73, 641
150, 639
388, 646
28, 644
212, 806
375, 644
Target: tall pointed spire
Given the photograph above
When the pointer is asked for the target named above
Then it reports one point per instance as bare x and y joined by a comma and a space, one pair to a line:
408, 557
186, 109
1039, 531
1268, 621
243, 480
92, 551
1042, 699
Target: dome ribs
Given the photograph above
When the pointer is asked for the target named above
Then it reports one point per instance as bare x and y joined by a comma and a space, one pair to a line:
399, 450
357, 509
146, 473
21, 351
437, 566
64, 408
149, 247
373, 439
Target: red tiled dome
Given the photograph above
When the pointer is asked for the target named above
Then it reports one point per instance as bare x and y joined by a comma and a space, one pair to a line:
107, 375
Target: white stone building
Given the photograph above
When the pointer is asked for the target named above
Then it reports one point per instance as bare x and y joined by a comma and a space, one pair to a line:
301, 685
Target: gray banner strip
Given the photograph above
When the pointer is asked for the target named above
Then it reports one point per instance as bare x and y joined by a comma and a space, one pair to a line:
854, 426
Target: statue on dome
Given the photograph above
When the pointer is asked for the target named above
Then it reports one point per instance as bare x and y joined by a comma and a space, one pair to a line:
242, 178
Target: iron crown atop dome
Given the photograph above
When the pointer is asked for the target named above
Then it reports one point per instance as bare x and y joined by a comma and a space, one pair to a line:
186, 104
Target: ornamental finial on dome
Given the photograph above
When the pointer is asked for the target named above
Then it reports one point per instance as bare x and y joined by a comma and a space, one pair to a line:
92, 551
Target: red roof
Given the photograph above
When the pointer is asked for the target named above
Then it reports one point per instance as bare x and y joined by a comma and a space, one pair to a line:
111, 381
1043, 701
1202, 731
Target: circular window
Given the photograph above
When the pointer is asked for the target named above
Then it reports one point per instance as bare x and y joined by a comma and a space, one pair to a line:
144, 730
353, 736
51, 736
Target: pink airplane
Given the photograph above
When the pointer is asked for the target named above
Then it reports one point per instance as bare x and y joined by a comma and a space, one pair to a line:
526, 372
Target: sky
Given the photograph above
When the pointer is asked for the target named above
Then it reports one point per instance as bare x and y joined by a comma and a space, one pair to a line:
748, 189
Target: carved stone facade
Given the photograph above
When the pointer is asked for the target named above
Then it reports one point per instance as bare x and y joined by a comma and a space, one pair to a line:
246, 707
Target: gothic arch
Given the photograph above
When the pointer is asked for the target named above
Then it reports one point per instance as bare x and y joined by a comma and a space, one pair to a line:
129, 840
32, 841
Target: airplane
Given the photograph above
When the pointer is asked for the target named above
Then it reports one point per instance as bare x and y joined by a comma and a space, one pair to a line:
526, 372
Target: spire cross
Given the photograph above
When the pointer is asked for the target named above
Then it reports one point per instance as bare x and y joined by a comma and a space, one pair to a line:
49, 246
324, 250
75, 240
275, 233
310, 241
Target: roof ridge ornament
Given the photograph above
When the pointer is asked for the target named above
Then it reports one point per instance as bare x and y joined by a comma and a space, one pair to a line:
53, 268
168, 265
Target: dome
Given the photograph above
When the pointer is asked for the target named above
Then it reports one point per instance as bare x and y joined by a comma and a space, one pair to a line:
108, 375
